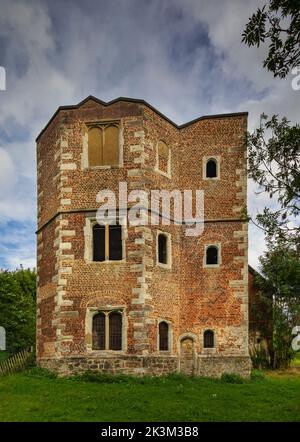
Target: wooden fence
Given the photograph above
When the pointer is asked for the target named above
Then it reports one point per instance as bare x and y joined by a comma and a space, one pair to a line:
16, 362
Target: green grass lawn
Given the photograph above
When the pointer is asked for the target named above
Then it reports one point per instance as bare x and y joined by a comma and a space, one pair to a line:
33, 397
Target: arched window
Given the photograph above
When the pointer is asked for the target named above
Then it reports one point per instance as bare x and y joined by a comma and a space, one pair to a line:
111, 146
162, 248
211, 169
107, 331
208, 339
99, 331
103, 145
115, 331
163, 331
163, 157
95, 150
212, 255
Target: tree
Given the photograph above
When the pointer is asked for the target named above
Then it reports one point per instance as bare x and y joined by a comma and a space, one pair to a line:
274, 164
279, 25
17, 307
279, 286
274, 148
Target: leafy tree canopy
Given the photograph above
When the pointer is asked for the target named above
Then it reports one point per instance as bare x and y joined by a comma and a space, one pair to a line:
17, 307
279, 287
278, 24
274, 164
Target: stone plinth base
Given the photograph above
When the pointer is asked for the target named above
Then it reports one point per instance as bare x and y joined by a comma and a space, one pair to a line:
214, 366
210, 366
127, 364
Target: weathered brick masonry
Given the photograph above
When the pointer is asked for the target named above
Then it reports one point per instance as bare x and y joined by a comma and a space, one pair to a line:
188, 295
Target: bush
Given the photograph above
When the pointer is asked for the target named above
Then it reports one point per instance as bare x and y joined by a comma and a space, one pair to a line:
102, 378
18, 308
4, 355
105, 378
232, 378
260, 358
34, 371
257, 375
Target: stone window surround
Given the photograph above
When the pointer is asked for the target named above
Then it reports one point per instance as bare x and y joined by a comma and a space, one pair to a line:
97, 123
209, 350
156, 168
212, 266
170, 337
88, 241
167, 266
107, 310
217, 159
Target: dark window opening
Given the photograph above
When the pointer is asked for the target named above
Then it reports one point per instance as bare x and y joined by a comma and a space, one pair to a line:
115, 331
163, 336
115, 243
209, 339
212, 255
98, 243
211, 169
99, 332
107, 242
162, 249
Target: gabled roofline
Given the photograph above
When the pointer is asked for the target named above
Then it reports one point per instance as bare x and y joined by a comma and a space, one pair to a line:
145, 103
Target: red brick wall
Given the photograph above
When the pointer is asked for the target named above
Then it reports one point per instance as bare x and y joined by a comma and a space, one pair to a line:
191, 297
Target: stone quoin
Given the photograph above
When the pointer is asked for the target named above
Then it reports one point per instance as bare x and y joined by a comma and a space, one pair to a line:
141, 299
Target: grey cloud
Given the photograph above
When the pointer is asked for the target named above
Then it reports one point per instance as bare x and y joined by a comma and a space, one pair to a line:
186, 58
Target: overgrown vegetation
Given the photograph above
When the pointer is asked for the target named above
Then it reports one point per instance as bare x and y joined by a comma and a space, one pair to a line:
279, 287
18, 308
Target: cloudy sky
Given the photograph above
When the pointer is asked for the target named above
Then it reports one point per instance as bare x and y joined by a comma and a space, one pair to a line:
184, 57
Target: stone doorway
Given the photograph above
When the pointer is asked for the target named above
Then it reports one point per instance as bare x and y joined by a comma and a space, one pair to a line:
187, 356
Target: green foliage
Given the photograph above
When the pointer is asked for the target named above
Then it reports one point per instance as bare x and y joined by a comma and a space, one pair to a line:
296, 361
38, 372
4, 355
17, 308
105, 378
260, 358
274, 164
100, 378
257, 375
279, 25
280, 288
232, 378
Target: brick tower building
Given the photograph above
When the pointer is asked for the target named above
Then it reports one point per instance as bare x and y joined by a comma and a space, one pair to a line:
141, 299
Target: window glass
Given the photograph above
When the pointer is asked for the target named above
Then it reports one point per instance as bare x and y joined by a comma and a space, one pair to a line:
212, 255
211, 169
163, 336
162, 249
